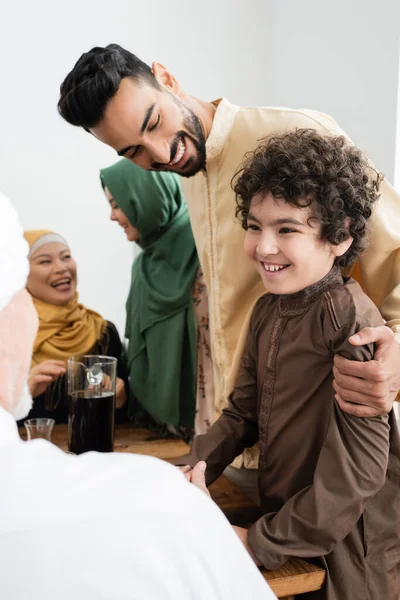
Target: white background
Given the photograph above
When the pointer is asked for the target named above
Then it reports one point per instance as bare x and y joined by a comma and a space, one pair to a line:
339, 57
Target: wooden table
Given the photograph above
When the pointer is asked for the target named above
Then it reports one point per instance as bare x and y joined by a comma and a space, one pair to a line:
295, 577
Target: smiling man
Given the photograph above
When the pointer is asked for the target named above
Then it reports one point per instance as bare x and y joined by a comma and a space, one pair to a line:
179, 143
57, 509
144, 115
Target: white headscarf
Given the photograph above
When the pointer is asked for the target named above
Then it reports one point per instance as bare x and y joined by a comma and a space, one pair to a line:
18, 319
14, 264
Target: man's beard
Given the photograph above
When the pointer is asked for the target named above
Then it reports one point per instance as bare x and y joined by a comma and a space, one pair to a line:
24, 404
194, 132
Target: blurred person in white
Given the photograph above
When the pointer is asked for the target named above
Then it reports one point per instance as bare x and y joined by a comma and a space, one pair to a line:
97, 526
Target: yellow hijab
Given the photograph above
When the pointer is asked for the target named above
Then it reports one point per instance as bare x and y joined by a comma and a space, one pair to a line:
63, 330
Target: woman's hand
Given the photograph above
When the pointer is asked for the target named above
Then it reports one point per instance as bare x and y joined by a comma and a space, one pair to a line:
106, 386
43, 374
120, 397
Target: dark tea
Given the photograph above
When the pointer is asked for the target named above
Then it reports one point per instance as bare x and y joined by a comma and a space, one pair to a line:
91, 422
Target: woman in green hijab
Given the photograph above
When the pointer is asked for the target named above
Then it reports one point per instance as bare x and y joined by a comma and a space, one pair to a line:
167, 311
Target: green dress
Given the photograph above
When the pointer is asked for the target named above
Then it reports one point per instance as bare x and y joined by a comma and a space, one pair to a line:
160, 318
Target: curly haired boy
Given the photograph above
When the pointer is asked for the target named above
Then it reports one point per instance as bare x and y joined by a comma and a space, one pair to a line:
329, 482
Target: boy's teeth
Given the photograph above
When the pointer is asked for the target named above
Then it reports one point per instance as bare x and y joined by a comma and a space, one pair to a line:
273, 267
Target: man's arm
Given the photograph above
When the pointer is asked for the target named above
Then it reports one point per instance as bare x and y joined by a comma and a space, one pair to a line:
366, 389
362, 390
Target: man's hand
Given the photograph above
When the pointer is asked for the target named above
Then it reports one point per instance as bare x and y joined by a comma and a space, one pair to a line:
43, 374
241, 532
368, 389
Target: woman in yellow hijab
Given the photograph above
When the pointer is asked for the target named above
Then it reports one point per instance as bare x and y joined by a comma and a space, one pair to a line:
66, 328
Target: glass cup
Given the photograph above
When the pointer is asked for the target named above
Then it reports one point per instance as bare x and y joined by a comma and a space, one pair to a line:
39, 428
91, 403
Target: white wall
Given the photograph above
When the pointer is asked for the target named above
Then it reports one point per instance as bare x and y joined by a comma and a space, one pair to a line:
397, 152
339, 57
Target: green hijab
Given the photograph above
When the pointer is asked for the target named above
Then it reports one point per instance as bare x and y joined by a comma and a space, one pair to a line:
160, 319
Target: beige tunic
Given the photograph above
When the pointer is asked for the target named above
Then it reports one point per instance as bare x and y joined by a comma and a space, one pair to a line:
232, 282
329, 482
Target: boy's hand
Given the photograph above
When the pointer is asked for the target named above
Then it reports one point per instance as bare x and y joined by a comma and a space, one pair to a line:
241, 532
368, 389
187, 471
197, 475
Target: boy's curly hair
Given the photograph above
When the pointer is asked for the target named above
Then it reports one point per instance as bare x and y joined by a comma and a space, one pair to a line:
306, 168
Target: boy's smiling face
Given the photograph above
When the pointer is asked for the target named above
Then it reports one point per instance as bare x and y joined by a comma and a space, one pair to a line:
285, 245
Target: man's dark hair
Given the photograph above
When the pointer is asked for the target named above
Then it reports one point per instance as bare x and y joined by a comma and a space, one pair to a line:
304, 167
95, 79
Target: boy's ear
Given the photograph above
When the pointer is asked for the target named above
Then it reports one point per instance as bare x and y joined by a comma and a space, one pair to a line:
342, 248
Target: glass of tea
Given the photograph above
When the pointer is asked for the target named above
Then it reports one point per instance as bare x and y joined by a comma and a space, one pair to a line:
91, 403
39, 428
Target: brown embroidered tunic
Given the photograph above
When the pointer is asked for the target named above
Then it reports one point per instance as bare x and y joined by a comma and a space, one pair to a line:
329, 482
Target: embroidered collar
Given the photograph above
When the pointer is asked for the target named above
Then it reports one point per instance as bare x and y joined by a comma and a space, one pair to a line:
291, 305
221, 128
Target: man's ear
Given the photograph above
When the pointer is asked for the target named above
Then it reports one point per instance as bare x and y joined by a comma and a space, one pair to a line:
165, 78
